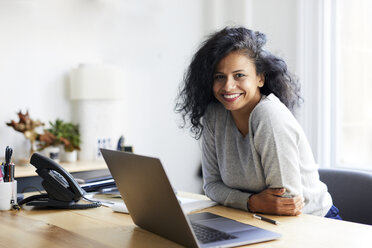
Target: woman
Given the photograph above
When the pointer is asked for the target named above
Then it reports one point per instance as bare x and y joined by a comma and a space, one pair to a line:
255, 156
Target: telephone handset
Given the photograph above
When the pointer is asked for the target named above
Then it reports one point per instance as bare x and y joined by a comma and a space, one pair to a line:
62, 189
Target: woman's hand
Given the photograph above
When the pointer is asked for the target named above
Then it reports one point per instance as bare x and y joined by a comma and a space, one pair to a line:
270, 201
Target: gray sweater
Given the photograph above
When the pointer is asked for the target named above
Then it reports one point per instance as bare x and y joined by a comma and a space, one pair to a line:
274, 154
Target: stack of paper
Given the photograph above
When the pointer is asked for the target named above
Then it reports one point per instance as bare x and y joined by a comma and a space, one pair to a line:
188, 205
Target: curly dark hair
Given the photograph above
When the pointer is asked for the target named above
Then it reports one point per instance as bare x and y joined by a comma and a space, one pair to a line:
196, 92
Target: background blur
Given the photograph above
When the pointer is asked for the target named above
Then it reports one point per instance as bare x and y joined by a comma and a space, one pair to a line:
327, 44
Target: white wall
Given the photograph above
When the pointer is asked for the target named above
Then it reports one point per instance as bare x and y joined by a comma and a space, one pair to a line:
278, 20
41, 40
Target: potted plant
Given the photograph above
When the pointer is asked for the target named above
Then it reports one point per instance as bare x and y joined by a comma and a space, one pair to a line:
70, 138
63, 133
27, 126
49, 145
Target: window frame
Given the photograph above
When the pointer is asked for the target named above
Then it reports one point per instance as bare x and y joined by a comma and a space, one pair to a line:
318, 71
316, 115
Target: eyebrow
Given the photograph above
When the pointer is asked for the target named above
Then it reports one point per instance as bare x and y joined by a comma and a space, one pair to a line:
218, 72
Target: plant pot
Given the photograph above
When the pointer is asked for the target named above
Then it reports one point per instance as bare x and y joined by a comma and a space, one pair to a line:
52, 152
69, 157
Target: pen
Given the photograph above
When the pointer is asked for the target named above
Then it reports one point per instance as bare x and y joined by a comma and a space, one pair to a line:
11, 172
8, 173
266, 219
1, 173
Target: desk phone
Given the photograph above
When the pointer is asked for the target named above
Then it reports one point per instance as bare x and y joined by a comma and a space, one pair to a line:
62, 190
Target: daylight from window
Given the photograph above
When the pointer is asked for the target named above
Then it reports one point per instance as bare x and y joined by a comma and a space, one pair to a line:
353, 79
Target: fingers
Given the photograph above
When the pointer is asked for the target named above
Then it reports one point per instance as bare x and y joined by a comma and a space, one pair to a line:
270, 202
276, 191
284, 205
297, 200
299, 204
290, 212
293, 206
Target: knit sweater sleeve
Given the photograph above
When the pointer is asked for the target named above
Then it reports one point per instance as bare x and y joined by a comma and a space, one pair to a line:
275, 134
214, 187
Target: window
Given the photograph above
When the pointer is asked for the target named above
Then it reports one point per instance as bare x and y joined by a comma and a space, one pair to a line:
351, 61
335, 69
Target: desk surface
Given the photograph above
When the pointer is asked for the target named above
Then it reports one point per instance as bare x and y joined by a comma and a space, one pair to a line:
101, 227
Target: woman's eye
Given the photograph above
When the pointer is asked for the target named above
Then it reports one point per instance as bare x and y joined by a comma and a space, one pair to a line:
239, 75
219, 77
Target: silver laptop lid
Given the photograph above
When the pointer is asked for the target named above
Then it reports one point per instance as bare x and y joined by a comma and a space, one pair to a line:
149, 196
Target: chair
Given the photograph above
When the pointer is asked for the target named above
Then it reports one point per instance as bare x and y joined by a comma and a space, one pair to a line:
351, 193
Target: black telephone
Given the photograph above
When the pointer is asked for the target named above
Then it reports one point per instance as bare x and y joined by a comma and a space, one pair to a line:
62, 189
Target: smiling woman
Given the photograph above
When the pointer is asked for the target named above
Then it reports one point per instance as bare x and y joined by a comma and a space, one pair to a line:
236, 86
255, 155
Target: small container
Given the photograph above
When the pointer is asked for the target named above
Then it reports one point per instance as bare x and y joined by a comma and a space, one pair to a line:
8, 195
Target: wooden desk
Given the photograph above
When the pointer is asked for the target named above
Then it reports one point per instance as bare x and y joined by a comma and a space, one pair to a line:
101, 227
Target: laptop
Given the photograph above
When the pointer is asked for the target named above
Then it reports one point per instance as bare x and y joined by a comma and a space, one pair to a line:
153, 206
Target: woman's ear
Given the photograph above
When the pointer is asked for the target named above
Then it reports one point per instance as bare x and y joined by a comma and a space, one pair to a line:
261, 80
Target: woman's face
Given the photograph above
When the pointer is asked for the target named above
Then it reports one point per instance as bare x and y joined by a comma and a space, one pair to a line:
236, 84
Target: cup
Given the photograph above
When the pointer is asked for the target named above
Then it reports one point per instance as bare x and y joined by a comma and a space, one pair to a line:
8, 195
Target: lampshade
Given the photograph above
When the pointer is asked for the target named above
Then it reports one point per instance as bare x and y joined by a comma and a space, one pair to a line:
96, 91
96, 82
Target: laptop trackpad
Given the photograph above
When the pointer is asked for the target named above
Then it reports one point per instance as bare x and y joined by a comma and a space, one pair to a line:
225, 225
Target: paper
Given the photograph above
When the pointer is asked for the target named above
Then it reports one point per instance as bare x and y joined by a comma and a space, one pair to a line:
188, 205
119, 207
107, 200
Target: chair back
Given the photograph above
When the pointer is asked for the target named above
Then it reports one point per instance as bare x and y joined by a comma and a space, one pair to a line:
351, 192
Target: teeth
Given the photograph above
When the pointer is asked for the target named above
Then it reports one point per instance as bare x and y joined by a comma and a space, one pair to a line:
231, 96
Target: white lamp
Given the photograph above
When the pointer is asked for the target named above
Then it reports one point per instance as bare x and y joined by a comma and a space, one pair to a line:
97, 91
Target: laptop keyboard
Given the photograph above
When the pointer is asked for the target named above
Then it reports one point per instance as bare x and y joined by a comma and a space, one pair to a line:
207, 235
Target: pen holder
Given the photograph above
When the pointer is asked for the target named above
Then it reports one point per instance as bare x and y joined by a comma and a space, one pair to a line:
8, 195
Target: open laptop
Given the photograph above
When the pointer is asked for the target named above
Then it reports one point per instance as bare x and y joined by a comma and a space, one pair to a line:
153, 205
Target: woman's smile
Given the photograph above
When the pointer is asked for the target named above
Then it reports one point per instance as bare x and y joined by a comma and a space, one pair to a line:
231, 97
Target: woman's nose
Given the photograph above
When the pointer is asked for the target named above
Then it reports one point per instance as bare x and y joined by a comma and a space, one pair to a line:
230, 83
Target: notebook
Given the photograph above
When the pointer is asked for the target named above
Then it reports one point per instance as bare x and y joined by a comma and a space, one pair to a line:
153, 206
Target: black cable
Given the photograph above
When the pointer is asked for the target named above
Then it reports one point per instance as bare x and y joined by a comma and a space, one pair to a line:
83, 206
34, 197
